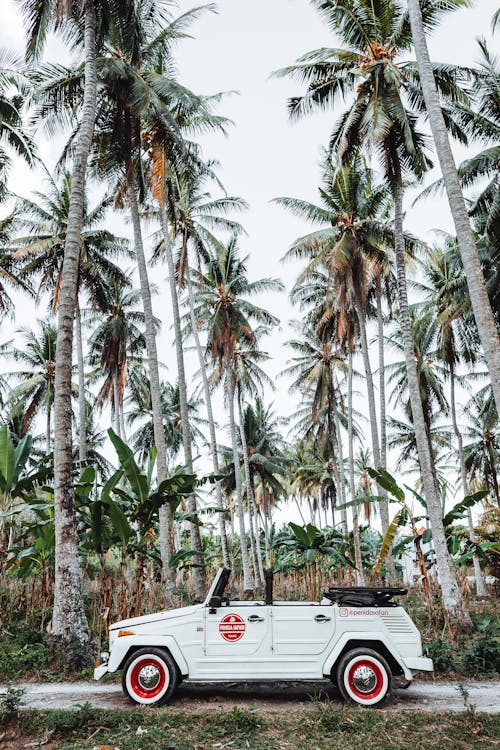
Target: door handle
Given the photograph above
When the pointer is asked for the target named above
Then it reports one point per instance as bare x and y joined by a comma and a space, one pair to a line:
255, 618
322, 618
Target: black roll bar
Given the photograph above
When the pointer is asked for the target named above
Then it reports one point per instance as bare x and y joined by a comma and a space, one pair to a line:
268, 576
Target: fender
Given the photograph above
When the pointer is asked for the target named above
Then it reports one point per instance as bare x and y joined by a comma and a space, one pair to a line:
346, 637
122, 646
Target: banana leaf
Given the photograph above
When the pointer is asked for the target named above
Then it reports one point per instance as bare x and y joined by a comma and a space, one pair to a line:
388, 540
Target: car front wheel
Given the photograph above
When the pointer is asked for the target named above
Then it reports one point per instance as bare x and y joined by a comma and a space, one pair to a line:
149, 677
364, 677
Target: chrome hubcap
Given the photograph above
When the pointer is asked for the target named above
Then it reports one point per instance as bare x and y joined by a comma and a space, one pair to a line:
364, 679
149, 677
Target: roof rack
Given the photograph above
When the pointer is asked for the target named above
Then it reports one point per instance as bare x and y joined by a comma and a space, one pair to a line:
364, 596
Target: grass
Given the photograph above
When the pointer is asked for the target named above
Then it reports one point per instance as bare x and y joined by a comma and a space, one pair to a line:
326, 727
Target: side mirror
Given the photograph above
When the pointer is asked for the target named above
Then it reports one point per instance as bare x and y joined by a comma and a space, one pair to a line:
214, 603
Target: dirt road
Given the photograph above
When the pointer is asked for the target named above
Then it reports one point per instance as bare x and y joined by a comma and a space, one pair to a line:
424, 696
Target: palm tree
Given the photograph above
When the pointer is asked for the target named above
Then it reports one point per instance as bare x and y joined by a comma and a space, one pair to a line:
354, 245
383, 115
41, 251
478, 294
221, 301
138, 96
9, 271
191, 212
480, 120
69, 619
12, 134
267, 463
312, 475
139, 413
454, 346
149, 108
482, 454
35, 391
313, 369
117, 342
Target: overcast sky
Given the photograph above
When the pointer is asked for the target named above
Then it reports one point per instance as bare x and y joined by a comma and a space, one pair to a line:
264, 156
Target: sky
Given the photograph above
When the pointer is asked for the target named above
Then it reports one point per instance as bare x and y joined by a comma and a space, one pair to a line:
264, 155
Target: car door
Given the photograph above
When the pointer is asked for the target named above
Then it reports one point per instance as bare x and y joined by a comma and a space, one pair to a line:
237, 641
301, 636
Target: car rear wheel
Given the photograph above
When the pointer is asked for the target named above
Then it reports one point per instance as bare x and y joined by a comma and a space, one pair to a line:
149, 677
364, 677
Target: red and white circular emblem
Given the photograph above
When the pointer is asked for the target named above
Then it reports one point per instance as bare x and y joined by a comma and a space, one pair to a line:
232, 628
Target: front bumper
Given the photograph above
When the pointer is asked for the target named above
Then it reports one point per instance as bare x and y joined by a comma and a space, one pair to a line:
100, 671
419, 664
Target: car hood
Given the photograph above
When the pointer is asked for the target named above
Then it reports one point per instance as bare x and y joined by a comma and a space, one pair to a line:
167, 614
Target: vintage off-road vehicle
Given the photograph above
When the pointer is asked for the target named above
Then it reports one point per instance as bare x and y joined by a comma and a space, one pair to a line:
358, 637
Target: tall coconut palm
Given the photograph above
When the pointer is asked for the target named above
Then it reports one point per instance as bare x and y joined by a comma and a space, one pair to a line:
313, 371
454, 346
41, 253
138, 97
192, 213
482, 453
9, 268
35, 390
387, 101
355, 246
268, 465
116, 342
69, 619
250, 379
13, 136
151, 108
139, 416
481, 306
221, 302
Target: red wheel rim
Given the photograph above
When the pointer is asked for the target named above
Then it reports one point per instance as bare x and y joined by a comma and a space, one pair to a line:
367, 695
138, 686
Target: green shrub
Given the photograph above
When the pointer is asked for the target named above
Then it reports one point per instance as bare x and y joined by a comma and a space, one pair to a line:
442, 653
12, 700
482, 657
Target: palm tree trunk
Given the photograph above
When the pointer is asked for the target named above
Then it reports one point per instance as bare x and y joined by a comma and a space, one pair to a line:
384, 509
257, 530
116, 405
250, 497
480, 587
122, 424
167, 543
452, 598
297, 503
267, 520
352, 485
210, 417
333, 443
48, 430
68, 618
381, 375
82, 417
245, 562
199, 571
341, 471
481, 306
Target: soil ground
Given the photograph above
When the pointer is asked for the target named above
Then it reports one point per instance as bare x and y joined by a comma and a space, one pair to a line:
269, 697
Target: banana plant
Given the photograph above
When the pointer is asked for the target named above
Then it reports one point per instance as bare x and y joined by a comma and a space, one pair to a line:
16, 481
310, 549
405, 517
142, 497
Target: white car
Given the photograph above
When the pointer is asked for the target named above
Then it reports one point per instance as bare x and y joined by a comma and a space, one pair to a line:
357, 637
